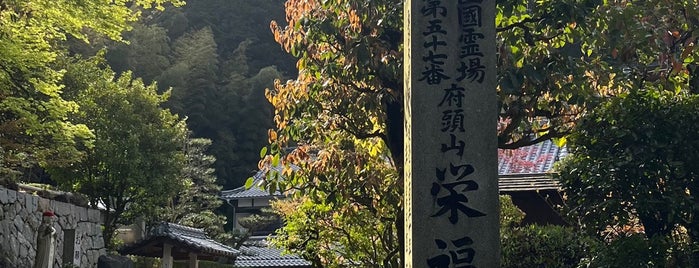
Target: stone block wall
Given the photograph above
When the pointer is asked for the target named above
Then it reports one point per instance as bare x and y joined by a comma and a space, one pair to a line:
20, 216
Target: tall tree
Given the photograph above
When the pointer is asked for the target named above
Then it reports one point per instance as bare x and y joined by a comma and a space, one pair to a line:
195, 203
234, 22
135, 163
255, 117
196, 98
222, 102
556, 60
198, 94
147, 54
212, 52
32, 124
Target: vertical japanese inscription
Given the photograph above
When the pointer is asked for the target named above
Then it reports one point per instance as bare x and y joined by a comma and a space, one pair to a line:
435, 41
450, 151
451, 184
470, 23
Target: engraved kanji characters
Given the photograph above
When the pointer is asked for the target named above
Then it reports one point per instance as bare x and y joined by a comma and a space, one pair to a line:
459, 254
455, 200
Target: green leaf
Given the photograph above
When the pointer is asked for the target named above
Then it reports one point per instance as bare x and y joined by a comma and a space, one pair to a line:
263, 152
275, 160
248, 182
560, 142
272, 188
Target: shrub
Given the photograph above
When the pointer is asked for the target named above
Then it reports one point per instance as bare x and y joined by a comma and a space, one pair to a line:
640, 252
543, 246
538, 246
510, 215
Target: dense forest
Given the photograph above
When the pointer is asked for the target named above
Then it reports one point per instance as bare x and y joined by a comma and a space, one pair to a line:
147, 108
217, 57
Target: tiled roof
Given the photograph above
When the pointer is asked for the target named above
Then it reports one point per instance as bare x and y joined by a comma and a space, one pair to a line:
527, 182
522, 169
255, 190
527, 168
537, 158
261, 255
242, 193
191, 239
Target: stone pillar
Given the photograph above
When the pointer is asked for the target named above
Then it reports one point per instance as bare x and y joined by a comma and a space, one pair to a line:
167, 256
451, 194
193, 262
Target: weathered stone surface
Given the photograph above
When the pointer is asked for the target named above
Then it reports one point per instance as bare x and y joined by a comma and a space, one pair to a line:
4, 198
22, 209
57, 260
20, 216
451, 195
32, 204
18, 207
111, 261
11, 196
93, 256
23, 251
93, 215
32, 252
5, 227
62, 209
34, 220
44, 204
14, 245
27, 232
85, 228
59, 222
97, 242
23, 239
5, 261
26, 200
75, 211
19, 223
72, 221
83, 213
102, 251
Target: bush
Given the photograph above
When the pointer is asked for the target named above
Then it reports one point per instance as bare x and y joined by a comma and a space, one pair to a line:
640, 252
510, 215
538, 246
543, 246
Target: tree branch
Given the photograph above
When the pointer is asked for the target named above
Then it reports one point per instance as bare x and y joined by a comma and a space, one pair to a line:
521, 24
358, 134
527, 142
359, 89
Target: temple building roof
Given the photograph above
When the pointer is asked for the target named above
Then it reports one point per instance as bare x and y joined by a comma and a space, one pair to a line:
260, 255
255, 191
184, 240
523, 169
537, 158
529, 168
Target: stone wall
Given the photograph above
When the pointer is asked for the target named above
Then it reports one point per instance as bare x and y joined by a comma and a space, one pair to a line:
20, 216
